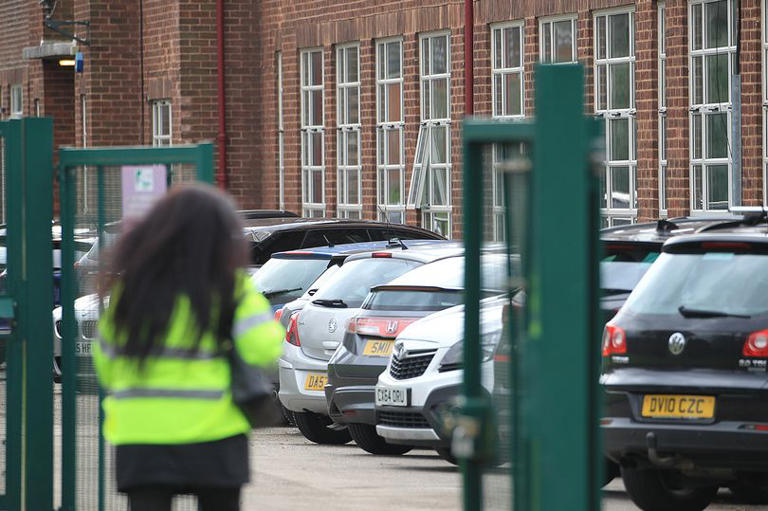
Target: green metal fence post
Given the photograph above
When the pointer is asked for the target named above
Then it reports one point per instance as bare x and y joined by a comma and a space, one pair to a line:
562, 438
205, 163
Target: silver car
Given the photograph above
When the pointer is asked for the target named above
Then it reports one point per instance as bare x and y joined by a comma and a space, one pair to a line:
316, 331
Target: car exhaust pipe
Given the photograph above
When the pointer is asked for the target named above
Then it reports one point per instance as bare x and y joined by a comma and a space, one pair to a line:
664, 461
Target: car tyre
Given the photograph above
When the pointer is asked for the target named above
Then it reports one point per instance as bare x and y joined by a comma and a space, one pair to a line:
367, 439
318, 429
288, 416
749, 493
656, 490
446, 454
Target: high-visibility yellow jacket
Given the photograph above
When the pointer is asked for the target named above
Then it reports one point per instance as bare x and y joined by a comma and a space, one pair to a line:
181, 395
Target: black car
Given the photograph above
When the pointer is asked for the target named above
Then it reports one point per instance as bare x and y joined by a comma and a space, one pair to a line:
684, 371
270, 235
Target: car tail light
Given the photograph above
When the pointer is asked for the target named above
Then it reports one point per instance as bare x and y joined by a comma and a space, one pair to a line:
278, 314
292, 334
614, 341
756, 345
381, 254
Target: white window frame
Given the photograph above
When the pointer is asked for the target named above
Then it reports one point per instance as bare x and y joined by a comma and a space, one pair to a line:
347, 127
161, 137
309, 132
550, 22
616, 215
498, 88
698, 155
662, 88
280, 132
17, 101
387, 210
425, 170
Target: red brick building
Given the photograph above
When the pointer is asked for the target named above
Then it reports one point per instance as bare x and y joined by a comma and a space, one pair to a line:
353, 108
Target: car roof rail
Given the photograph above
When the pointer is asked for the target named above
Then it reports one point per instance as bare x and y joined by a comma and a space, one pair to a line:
664, 225
751, 215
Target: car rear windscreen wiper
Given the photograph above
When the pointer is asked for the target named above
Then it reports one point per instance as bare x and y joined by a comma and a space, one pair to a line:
337, 302
699, 313
268, 294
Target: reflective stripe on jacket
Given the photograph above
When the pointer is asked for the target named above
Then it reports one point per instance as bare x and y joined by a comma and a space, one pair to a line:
181, 394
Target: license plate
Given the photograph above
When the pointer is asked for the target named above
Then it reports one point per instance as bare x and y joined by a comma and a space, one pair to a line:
659, 406
83, 349
378, 348
315, 381
391, 396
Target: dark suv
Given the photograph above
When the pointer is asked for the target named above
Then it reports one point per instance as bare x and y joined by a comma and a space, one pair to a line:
684, 371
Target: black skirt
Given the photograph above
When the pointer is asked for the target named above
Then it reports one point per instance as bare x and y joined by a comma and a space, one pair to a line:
218, 464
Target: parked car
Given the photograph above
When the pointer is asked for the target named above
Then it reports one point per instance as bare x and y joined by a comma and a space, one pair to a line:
420, 387
389, 308
684, 370
268, 236
316, 331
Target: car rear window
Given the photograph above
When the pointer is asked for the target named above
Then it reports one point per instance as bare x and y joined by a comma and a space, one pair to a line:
284, 279
621, 277
354, 280
713, 281
414, 300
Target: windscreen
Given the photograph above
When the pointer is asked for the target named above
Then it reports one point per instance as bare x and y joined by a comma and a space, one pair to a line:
285, 279
354, 280
413, 300
621, 277
715, 282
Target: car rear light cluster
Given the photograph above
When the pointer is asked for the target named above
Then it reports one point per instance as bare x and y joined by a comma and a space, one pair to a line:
278, 314
614, 341
384, 327
756, 345
292, 334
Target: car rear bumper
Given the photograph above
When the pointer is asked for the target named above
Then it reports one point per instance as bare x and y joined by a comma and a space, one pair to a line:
723, 445
351, 404
293, 368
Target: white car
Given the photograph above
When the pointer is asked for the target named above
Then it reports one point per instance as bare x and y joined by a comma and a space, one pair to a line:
316, 331
422, 381
87, 318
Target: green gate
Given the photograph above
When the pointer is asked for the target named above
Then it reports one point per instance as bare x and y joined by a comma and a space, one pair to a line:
26, 295
529, 439
94, 193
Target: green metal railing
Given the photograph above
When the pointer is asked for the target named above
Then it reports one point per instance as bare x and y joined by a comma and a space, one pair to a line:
81, 397
549, 417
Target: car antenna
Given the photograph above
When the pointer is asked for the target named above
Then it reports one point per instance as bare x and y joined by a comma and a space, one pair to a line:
327, 241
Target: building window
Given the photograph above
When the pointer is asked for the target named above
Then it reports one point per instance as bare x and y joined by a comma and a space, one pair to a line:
662, 41
557, 39
430, 187
38, 111
280, 133
712, 44
390, 156
349, 189
312, 134
17, 101
615, 103
161, 123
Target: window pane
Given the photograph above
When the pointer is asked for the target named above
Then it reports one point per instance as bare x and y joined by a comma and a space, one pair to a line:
352, 147
165, 116
603, 192
563, 41
698, 81
497, 48
716, 17
353, 106
497, 94
439, 187
425, 100
380, 150
393, 59
316, 118
602, 94
317, 68
440, 99
305, 185
717, 78
438, 144
698, 193
317, 186
352, 75
353, 197
620, 85
380, 60
717, 135
393, 93
382, 103
512, 43
696, 26
317, 148
439, 55
697, 141
393, 147
620, 187
425, 56
619, 139
717, 186
395, 192
601, 43
513, 91
619, 46
546, 42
